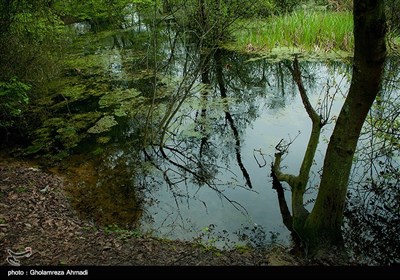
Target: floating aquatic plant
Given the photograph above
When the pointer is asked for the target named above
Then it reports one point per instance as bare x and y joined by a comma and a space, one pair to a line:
103, 125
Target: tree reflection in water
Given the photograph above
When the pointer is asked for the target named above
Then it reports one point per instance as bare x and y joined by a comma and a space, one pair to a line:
372, 226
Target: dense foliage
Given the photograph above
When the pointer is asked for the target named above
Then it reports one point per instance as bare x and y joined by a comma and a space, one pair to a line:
30, 40
96, 11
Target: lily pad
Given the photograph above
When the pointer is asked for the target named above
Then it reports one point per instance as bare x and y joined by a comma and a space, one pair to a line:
124, 102
103, 125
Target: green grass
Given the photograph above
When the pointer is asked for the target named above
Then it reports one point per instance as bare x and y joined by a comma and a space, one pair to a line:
315, 31
122, 233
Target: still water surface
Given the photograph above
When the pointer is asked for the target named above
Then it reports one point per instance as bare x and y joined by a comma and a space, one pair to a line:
210, 173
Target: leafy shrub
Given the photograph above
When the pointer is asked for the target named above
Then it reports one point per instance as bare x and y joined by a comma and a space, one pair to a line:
13, 96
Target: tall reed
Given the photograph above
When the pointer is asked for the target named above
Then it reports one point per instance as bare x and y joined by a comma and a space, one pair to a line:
307, 30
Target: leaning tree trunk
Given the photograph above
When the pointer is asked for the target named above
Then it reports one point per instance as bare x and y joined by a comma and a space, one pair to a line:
322, 229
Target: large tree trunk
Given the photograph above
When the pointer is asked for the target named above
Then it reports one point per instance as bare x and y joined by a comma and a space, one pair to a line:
322, 229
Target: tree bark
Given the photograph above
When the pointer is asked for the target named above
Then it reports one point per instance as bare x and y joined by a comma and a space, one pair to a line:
322, 229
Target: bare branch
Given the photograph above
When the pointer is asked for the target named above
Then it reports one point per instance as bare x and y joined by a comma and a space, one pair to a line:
234, 203
261, 165
284, 209
283, 177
